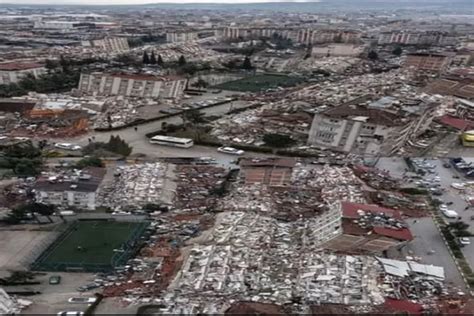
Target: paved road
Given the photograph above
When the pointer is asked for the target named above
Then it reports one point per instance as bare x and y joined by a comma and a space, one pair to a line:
427, 236
140, 144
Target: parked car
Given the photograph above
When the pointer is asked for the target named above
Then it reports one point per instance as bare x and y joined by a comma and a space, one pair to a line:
457, 186
67, 146
87, 287
464, 241
450, 213
55, 279
70, 313
82, 300
447, 165
230, 150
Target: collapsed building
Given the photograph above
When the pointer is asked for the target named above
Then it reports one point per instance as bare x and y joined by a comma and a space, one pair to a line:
368, 129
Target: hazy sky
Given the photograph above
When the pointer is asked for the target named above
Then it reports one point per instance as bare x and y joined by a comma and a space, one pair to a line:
137, 1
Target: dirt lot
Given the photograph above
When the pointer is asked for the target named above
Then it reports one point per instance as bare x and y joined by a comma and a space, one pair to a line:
19, 247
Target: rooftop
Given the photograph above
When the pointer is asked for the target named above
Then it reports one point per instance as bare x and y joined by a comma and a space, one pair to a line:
370, 115
87, 180
19, 66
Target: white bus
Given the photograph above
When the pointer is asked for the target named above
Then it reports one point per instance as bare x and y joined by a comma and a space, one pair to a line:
172, 141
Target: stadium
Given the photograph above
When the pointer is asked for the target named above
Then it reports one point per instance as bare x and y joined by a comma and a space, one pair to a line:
92, 246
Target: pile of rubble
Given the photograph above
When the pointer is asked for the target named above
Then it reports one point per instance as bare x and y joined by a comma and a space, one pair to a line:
336, 183
336, 93
138, 185
250, 126
330, 64
284, 203
199, 187
192, 51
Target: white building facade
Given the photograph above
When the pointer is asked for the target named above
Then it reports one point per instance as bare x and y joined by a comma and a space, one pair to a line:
14, 72
145, 86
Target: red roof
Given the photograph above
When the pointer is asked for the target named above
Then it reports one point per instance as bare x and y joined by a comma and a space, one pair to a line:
19, 66
349, 210
403, 306
457, 123
399, 234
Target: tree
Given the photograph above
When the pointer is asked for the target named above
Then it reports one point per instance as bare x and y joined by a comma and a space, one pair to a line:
459, 229
65, 63
160, 61
247, 64
146, 60
182, 61
89, 162
277, 140
373, 55
193, 116
397, 51
153, 58
118, 146
201, 83
51, 64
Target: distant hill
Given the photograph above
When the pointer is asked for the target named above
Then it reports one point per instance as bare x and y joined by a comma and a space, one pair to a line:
463, 6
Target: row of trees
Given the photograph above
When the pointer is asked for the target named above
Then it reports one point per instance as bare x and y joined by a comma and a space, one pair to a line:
30, 211
152, 59
24, 159
62, 75
47, 83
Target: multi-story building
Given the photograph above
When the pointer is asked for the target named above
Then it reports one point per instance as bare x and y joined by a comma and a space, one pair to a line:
435, 63
351, 128
179, 37
109, 44
309, 36
14, 71
369, 228
367, 131
302, 36
133, 85
416, 38
76, 190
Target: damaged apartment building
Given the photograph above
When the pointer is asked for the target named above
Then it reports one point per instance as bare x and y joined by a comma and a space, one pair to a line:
132, 85
370, 128
276, 187
75, 189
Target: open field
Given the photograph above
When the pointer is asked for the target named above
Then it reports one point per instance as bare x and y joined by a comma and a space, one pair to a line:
90, 243
260, 83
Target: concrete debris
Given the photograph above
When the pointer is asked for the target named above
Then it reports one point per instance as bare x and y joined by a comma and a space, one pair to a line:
138, 185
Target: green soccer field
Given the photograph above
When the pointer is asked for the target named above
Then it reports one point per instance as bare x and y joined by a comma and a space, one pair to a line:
91, 242
260, 83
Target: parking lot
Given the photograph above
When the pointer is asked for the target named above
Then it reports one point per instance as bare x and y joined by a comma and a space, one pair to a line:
54, 298
427, 235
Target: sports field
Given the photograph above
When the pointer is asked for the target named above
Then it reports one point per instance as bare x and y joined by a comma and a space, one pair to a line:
260, 83
90, 243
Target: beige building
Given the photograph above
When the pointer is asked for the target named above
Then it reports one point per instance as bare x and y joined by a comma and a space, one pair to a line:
180, 37
109, 44
427, 62
15, 71
415, 38
133, 85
